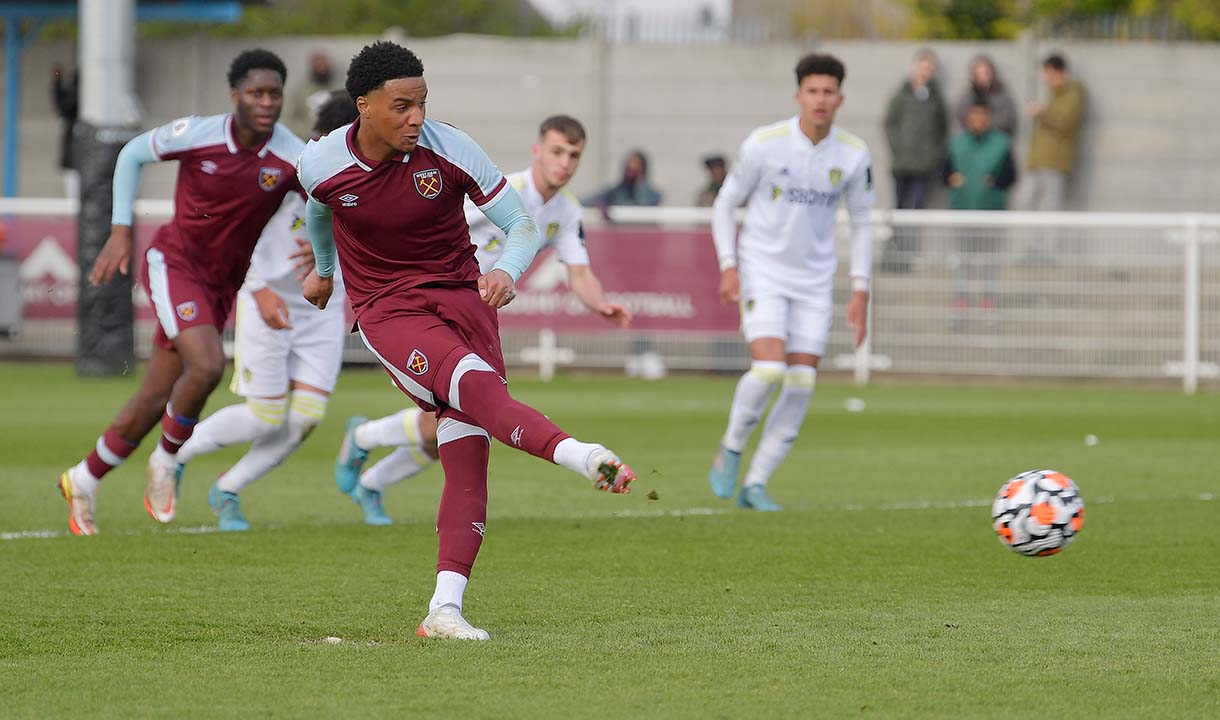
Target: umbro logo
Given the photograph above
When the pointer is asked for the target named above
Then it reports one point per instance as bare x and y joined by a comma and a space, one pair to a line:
349, 200
480, 528
209, 167
783, 171
516, 436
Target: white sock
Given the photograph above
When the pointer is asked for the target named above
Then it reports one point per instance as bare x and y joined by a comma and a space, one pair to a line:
403, 463
574, 455
749, 400
306, 410
389, 431
161, 457
783, 423
247, 422
83, 480
450, 587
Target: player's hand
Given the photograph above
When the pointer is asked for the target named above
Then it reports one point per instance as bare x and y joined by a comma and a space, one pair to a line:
317, 290
272, 308
1033, 108
857, 315
497, 289
302, 259
956, 180
730, 286
615, 313
114, 257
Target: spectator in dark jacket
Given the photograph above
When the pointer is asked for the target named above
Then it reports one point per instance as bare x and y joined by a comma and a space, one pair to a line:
979, 171
717, 171
65, 97
916, 125
632, 189
986, 83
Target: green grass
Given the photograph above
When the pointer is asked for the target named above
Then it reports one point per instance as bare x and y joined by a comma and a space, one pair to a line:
880, 591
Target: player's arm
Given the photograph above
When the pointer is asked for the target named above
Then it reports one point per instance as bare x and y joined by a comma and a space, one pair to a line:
320, 283
860, 201
736, 189
522, 242
116, 253
570, 246
588, 288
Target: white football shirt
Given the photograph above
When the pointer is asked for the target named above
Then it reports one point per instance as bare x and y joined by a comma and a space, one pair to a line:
558, 220
793, 189
272, 263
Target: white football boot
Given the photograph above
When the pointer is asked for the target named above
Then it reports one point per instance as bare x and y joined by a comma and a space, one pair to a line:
608, 472
447, 622
80, 505
161, 495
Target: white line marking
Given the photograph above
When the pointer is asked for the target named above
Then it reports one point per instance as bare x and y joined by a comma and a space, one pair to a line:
638, 514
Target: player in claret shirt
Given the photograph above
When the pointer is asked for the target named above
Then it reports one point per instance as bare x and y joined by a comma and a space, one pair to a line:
233, 173
387, 194
412, 432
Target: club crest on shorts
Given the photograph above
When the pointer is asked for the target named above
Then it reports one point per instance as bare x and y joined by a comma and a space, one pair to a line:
269, 177
428, 183
417, 362
188, 310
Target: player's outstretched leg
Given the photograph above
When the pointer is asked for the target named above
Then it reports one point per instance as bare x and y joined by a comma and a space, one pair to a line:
780, 432
418, 429
749, 401
483, 395
461, 522
234, 424
79, 484
203, 363
306, 409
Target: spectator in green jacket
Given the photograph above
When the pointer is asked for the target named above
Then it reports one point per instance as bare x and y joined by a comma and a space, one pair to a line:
1056, 134
916, 125
979, 171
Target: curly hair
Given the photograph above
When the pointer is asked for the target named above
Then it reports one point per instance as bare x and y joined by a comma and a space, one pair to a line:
338, 110
256, 59
378, 63
820, 64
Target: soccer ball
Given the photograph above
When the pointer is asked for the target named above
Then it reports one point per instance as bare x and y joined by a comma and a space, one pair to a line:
1038, 512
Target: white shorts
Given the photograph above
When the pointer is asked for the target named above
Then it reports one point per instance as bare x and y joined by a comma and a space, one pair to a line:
802, 323
266, 361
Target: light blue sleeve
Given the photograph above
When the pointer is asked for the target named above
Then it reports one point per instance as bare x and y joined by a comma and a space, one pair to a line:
133, 157
523, 239
321, 237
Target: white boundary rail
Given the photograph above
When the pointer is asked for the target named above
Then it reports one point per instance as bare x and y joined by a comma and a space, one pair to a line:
1106, 295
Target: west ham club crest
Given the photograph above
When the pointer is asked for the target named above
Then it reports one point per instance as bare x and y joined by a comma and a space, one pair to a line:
269, 177
428, 183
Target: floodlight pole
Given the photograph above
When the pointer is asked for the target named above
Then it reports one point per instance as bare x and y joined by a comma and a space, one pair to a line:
108, 117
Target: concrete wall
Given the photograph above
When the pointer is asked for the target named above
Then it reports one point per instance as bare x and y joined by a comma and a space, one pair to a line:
1150, 143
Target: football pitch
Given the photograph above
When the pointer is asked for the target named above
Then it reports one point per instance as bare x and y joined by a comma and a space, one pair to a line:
881, 590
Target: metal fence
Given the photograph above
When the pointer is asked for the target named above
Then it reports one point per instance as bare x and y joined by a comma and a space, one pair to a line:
1002, 294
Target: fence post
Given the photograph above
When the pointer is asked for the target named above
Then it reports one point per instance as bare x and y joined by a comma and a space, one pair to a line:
1191, 301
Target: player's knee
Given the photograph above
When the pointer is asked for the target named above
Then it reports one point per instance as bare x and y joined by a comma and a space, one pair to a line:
269, 411
308, 408
206, 370
768, 371
800, 379
474, 370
